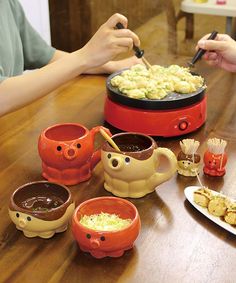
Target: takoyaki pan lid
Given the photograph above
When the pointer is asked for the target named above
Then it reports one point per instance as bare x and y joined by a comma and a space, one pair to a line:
171, 101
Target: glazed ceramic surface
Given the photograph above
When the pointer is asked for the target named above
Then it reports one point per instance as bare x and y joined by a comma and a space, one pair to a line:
133, 171
41, 209
106, 243
214, 164
68, 154
188, 165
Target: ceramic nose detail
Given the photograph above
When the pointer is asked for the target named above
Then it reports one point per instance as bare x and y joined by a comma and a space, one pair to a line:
95, 244
116, 163
70, 152
22, 222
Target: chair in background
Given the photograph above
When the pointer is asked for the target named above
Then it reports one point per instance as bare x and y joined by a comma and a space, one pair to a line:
173, 16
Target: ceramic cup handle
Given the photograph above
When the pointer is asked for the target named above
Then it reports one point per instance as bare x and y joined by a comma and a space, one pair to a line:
96, 157
162, 177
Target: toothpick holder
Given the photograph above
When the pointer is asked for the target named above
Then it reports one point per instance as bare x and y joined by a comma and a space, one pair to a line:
214, 164
215, 157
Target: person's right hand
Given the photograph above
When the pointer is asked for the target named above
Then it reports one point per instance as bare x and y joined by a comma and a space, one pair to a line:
221, 52
108, 42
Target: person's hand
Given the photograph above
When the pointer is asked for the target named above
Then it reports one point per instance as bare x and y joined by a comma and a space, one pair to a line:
108, 42
221, 52
114, 66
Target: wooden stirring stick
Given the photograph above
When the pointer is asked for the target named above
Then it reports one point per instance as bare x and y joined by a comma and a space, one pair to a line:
147, 64
109, 139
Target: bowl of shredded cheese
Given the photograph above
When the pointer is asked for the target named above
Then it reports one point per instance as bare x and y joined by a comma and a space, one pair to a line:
106, 226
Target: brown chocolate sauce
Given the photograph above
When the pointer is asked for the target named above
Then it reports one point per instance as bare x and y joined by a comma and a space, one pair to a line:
131, 147
41, 199
136, 145
42, 203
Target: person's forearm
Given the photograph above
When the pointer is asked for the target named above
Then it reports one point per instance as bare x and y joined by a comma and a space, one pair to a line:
104, 69
18, 91
108, 68
58, 55
114, 66
98, 70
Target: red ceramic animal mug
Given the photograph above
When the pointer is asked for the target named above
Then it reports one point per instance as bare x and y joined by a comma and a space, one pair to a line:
101, 243
68, 153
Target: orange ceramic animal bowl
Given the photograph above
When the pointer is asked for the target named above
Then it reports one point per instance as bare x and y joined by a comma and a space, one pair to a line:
67, 153
41, 208
106, 243
133, 171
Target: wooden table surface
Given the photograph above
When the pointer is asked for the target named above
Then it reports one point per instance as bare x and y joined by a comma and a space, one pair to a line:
176, 242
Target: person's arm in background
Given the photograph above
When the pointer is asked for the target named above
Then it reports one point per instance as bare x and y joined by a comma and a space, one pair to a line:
106, 44
221, 52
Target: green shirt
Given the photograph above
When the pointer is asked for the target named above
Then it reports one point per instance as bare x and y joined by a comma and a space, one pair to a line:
21, 47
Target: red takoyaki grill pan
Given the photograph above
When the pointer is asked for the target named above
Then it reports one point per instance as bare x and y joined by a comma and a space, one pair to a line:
175, 115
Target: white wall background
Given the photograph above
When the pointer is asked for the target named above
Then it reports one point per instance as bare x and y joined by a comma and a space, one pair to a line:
37, 12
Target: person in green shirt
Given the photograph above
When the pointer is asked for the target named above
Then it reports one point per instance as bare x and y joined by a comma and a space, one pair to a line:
22, 48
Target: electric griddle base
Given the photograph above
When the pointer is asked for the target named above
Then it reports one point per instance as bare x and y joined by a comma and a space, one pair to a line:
163, 123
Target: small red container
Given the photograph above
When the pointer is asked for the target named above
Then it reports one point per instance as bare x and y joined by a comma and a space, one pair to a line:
106, 243
214, 164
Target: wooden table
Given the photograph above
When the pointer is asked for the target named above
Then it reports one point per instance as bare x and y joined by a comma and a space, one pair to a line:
176, 243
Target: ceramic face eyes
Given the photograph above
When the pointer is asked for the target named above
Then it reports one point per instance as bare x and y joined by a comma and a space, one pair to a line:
127, 159
187, 162
213, 162
59, 148
28, 217
102, 238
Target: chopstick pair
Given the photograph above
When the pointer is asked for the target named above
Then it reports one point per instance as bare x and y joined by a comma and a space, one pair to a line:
138, 52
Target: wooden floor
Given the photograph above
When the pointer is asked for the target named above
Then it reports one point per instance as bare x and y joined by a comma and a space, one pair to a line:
153, 34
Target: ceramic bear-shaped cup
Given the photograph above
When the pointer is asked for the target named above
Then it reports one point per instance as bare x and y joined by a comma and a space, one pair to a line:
68, 153
41, 209
132, 172
102, 243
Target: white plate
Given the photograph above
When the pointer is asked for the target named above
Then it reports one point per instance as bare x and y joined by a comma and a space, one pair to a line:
189, 195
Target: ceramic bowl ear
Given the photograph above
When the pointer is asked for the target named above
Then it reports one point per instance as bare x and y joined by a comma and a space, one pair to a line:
41, 208
106, 243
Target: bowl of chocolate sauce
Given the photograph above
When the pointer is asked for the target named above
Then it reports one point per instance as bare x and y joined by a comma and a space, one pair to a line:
41, 208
